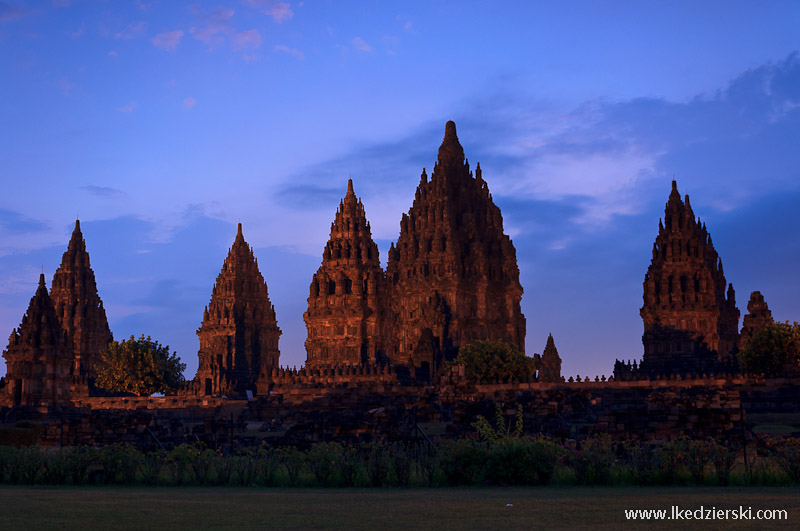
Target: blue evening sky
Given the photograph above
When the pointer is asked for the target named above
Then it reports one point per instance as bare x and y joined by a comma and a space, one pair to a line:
161, 124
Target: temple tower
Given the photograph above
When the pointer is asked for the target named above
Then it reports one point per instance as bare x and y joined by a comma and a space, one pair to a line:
690, 319
39, 357
79, 307
346, 321
548, 364
239, 334
758, 316
453, 273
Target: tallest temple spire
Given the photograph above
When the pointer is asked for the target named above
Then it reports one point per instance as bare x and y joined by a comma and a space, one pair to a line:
453, 274
451, 152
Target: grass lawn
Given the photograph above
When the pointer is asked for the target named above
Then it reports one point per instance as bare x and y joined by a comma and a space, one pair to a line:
111, 508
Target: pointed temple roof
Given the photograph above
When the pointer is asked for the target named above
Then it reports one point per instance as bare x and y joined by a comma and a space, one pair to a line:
550, 348
78, 304
452, 243
346, 292
450, 152
685, 287
240, 276
350, 237
239, 333
40, 325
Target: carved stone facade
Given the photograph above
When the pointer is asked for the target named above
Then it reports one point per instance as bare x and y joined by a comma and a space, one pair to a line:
39, 357
758, 316
453, 273
548, 364
239, 334
690, 321
346, 319
79, 307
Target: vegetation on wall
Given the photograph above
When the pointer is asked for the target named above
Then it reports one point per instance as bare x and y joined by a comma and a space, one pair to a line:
772, 349
489, 361
139, 366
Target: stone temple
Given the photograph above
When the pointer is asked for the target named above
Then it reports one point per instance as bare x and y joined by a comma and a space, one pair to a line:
39, 357
79, 308
453, 274
689, 312
758, 316
451, 278
239, 334
347, 319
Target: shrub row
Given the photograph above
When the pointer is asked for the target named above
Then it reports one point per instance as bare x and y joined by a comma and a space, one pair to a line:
508, 460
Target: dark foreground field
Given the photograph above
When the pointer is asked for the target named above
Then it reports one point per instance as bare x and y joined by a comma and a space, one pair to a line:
108, 508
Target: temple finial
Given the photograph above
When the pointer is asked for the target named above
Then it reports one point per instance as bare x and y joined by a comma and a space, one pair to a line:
451, 149
350, 187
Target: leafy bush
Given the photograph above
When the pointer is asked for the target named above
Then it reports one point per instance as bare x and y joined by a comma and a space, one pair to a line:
462, 461
488, 361
139, 366
641, 459
293, 461
772, 349
593, 462
786, 453
376, 457
723, 458
325, 459
697, 455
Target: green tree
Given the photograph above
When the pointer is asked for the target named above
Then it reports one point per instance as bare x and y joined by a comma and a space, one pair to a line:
494, 360
140, 366
772, 349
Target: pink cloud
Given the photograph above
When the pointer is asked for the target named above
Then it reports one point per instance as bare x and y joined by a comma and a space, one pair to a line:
66, 86
127, 108
168, 40
78, 32
247, 40
132, 31
290, 51
189, 102
113, 54
61, 3
279, 11
216, 24
361, 44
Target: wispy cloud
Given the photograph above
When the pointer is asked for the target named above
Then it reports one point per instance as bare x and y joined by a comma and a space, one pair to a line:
9, 12
168, 40
361, 44
406, 23
279, 11
66, 86
247, 40
78, 32
189, 102
61, 3
127, 108
113, 54
132, 31
215, 25
290, 51
102, 191
16, 223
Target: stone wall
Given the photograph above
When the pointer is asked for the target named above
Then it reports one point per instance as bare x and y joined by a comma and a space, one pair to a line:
384, 409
